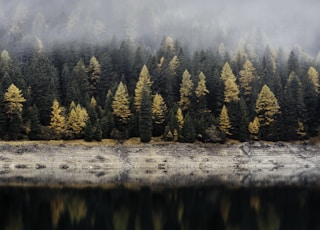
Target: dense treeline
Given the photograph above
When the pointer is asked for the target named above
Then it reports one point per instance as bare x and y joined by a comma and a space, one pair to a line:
123, 90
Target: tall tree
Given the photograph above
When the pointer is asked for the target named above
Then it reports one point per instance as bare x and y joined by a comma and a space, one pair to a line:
224, 121
57, 121
201, 89
247, 75
293, 108
94, 72
266, 106
159, 113
121, 104
14, 101
143, 82
186, 88
188, 132
145, 115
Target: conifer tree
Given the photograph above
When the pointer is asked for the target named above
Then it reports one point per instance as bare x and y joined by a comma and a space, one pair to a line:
231, 91
94, 72
120, 104
224, 121
145, 115
14, 99
35, 126
57, 121
293, 108
313, 76
76, 120
266, 106
88, 131
159, 109
186, 88
143, 82
247, 75
253, 128
227, 73
201, 89
179, 117
188, 132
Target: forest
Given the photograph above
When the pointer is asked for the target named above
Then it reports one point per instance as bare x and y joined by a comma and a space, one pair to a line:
124, 89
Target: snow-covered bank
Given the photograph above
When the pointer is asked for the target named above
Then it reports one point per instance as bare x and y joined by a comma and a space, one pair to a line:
176, 164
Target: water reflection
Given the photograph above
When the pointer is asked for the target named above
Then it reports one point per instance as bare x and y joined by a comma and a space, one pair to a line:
151, 208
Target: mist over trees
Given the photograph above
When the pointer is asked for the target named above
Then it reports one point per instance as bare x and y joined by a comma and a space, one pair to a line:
79, 70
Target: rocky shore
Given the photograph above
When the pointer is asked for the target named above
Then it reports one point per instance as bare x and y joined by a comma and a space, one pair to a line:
173, 164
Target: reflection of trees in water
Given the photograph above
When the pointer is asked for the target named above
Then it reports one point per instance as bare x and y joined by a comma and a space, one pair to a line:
183, 208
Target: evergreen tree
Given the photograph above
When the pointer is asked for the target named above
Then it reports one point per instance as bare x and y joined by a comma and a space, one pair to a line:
145, 115
293, 108
35, 126
43, 81
186, 88
94, 73
88, 131
188, 132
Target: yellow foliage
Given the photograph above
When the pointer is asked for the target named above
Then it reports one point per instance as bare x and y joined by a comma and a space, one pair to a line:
57, 121
180, 118
120, 104
224, 121
314, 78
14, 99
186, 88
247, 74
266, 106
201, 89
144, 80
254, 128
231, 91
77, 119
301, 130
159, 109
227, 73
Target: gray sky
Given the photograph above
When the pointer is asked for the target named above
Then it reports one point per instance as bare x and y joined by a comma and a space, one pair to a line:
201, 23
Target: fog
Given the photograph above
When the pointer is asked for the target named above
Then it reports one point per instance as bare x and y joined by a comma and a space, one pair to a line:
199, 24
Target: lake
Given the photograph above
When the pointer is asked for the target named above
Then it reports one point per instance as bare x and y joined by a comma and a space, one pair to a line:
132, 207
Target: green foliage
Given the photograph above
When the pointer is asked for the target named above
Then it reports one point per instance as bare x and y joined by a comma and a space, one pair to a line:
145, 116
113, 79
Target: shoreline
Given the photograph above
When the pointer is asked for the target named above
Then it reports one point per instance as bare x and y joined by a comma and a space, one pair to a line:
260, 164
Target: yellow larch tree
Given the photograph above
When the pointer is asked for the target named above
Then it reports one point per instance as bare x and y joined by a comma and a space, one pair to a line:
247, 74
314, 78
231, 91
120, 104
180, 118
201, 89
186, 88
144, 80
57, 120
159, 109
224, 121
266, 106
76, 120
227, 73
254, 128
13, 99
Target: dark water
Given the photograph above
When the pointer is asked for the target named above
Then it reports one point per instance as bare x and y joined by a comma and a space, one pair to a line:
150, 208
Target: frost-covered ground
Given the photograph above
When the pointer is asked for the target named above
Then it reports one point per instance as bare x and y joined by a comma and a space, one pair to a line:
245, 164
